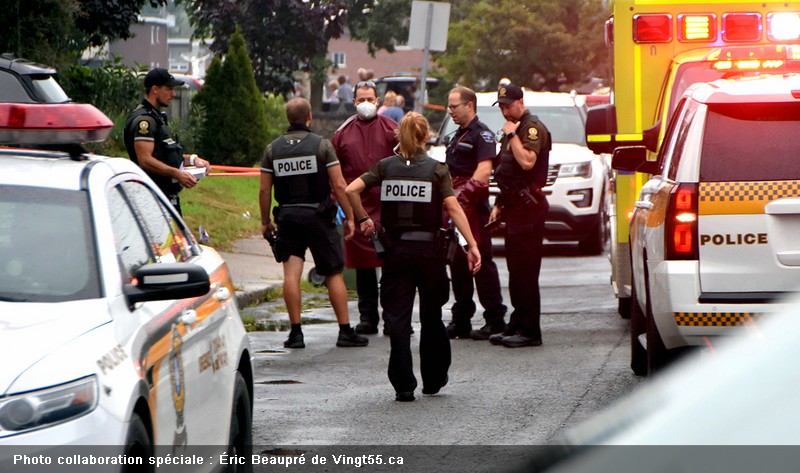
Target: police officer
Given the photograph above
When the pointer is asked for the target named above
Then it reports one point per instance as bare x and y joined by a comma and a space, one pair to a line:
150, 143
413, 189
303, 168
470, 153
521, 172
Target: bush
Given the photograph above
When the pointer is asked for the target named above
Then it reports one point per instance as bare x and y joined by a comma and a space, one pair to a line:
113, 88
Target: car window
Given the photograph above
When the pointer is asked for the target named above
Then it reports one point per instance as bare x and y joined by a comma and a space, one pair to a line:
751, 142
131, 245
678, 129
11, 89
47, 89
46, 246
566, 124
169, 242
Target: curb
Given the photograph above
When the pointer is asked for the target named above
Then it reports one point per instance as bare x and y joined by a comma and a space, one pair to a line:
249, 297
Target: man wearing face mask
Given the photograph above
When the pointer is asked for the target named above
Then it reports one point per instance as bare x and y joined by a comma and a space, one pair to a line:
360, 142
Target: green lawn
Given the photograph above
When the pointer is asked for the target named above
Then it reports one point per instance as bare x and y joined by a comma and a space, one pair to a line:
227, 206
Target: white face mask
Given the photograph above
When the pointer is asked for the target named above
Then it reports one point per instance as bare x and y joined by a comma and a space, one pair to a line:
366, 110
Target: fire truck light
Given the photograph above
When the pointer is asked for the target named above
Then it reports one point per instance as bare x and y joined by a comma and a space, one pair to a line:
783, 26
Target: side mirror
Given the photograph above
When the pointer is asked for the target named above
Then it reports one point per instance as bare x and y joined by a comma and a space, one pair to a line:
601, 120
633, 159
158, 282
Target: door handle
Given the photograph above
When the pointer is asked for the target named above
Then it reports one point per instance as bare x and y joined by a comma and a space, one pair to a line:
188, 317
643, 204
223, 293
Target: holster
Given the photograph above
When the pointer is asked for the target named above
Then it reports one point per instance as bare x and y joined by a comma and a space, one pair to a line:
446, 244
381, 242
280, 257
327, 210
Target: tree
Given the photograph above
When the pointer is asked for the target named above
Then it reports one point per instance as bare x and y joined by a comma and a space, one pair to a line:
55, 32
529, 41
233, 125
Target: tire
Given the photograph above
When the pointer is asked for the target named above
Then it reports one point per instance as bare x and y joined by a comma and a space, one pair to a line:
240, 438
657, 354
139, 445
624, 307
595, 244
638, 327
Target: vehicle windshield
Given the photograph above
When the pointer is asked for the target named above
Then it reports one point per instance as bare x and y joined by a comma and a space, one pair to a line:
47, 89
46, 246
565, 123
751, 142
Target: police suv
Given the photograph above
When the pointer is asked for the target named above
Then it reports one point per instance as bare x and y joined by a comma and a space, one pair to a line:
116, 327
577, 179
714, 233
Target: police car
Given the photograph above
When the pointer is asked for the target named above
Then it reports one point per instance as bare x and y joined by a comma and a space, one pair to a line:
577, 179
116, 327
714, 233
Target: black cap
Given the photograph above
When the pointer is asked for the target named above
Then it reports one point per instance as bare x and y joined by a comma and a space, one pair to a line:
508, 93
159, 76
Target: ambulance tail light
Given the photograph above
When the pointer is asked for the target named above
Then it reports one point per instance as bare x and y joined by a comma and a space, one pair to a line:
783, 26
681, 223
697, 28
741, 27
49, 124
652, 28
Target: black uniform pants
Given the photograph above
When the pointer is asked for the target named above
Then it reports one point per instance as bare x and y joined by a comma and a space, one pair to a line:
367, 289
524, 259
406, 269
487, 281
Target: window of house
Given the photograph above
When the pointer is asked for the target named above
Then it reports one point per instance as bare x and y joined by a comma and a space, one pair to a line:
339, 59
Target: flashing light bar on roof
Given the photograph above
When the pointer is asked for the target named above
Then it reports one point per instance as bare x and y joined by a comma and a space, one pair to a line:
697, 27
783, 26
741, 27
652, 28
47, 124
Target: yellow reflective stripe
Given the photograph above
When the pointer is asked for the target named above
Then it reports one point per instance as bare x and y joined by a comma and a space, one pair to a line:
598, 138
617, 138
727, 198
637, 87
629, 137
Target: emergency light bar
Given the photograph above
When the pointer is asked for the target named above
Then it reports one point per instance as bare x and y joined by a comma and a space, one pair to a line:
49, 124
702, 27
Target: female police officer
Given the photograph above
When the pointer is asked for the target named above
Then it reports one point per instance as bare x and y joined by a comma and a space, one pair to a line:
413, 189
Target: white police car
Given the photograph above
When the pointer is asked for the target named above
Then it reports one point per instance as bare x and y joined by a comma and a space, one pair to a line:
577, 179
714, 233
116, 326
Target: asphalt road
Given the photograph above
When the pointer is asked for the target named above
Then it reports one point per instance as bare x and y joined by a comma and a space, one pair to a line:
323, 395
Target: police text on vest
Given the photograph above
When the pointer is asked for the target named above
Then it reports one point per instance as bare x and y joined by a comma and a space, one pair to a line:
295, 166
406, 191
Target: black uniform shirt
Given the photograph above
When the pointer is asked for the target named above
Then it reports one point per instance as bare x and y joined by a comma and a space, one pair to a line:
470, 145
441, 177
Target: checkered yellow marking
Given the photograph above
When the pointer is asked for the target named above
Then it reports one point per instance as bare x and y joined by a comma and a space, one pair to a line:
725, 198
715, 319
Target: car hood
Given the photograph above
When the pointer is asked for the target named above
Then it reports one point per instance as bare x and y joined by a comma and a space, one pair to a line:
29, 332
563, 153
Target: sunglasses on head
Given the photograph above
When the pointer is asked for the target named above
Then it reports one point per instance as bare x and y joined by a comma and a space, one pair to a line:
365, 83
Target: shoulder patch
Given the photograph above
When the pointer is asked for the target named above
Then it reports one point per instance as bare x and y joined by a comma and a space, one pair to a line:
144, 127
487, 136
533, 133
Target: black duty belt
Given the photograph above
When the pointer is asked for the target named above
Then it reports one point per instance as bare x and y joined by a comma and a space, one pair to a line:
417, 235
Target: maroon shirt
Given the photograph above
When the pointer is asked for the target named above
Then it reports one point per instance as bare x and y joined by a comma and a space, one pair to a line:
359, 145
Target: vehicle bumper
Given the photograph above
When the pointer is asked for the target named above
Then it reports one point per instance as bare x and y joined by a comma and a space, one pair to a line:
95, 428
682, 320
564, 225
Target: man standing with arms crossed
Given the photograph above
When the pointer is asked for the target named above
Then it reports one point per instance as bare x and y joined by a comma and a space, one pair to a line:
360, 142
469, 157
303, 168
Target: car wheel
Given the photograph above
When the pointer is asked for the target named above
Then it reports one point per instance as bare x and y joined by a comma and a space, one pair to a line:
595, 244
240, 442
657, 354
138, 445
638, 327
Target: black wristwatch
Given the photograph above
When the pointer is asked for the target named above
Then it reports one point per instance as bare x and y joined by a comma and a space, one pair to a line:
511, 134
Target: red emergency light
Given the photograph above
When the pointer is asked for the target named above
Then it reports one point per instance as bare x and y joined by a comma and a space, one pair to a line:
652, 28
741, 27
46, 124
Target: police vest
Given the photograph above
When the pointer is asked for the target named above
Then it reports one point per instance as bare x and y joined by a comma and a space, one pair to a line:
166, 149
299, 170
509, 174
409, 199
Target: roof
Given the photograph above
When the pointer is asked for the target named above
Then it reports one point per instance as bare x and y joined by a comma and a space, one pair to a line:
764, 88
24, 66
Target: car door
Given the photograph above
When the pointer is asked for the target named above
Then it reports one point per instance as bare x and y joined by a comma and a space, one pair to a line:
185, 352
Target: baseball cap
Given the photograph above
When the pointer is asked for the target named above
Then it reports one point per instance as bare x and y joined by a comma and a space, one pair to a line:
508, 93
159, 76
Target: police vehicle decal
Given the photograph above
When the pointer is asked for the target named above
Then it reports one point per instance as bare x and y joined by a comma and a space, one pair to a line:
295, 166
178, 387
393, 190
112, 359
724, 198
715, 319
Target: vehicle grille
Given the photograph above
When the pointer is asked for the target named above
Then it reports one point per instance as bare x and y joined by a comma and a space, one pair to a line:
552, 174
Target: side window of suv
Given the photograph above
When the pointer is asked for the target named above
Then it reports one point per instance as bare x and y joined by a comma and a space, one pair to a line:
675, 137
11, 89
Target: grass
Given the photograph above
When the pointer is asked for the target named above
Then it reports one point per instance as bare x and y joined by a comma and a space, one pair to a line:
227, 206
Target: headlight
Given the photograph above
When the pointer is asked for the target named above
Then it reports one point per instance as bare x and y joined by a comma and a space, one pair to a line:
48, 406
576, 170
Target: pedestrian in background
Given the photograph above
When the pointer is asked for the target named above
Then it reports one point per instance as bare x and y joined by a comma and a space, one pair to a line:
413, 189
469, 157
345, 90
303, 169
150, 143
521, 173
361, 141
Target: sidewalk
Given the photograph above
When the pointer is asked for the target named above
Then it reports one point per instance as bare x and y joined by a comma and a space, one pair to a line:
254, 269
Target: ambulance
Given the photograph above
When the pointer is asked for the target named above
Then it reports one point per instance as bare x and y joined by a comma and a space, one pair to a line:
658, 49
